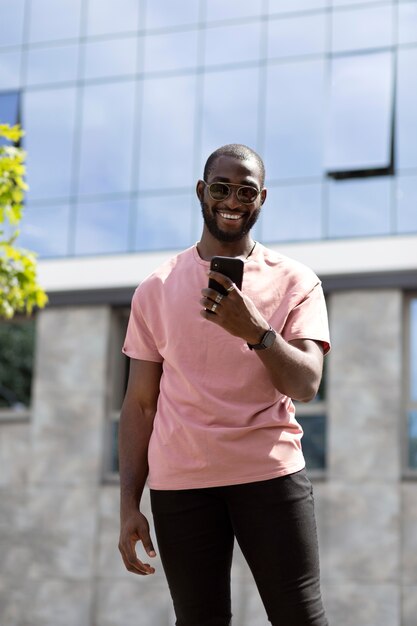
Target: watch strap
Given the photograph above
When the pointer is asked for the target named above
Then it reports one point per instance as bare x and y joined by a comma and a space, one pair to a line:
267, 340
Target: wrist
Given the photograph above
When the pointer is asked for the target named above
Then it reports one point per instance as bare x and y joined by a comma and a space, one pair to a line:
266, 341
259, 332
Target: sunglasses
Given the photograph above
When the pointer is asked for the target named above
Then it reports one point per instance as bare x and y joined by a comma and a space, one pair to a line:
221, 191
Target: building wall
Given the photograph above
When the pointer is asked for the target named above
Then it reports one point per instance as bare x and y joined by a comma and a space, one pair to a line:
60, 564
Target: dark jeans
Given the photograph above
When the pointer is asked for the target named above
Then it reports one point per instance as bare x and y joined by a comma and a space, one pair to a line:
274, 524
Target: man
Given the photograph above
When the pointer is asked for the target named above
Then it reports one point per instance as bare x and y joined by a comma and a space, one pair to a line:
209, 407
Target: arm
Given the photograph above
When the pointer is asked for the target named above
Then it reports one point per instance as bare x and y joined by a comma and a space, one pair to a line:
295, 367
135, 429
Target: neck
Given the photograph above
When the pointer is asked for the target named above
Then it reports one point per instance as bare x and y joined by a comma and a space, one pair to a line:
209, 246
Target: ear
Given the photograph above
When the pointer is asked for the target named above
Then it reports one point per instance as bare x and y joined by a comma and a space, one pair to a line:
264, 193
200, 190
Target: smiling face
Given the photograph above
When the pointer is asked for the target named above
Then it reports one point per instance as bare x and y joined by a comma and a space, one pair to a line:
231, 220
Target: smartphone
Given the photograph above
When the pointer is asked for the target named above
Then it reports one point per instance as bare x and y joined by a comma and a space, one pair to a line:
229, 266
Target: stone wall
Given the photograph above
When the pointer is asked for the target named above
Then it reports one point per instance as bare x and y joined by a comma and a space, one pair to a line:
59, 563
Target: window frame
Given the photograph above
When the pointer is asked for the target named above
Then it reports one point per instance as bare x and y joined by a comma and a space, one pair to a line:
315, 408
407, 403
118, 369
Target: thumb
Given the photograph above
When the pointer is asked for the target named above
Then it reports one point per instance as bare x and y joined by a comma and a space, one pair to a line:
148, 545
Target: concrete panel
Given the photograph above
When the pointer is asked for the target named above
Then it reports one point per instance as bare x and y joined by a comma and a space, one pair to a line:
64, 532
45, 603
358, 527
140, 601
70, 394
14, 453
409, 605
409, 534
353, 604
364, 373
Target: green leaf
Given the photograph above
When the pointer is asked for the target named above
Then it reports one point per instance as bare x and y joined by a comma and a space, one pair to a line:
19, 288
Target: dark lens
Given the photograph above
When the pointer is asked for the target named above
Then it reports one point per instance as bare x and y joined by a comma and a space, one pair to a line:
219, 191
247, 194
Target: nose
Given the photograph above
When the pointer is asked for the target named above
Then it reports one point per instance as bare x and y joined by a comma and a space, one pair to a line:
232, 201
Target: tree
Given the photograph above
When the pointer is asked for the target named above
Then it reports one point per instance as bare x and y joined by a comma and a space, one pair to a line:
19, 289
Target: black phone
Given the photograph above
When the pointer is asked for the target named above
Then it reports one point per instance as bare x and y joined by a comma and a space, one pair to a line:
229, 266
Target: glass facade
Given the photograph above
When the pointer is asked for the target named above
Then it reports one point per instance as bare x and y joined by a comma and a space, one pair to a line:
123, 100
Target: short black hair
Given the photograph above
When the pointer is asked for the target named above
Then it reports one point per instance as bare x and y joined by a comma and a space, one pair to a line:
238, 151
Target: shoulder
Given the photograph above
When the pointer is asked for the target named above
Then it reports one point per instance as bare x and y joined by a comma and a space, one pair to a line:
292, 271
155, 281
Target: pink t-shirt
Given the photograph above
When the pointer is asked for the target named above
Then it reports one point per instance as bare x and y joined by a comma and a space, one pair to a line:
219, 420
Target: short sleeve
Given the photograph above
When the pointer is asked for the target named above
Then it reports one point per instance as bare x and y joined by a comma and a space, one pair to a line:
139, 342
308, 320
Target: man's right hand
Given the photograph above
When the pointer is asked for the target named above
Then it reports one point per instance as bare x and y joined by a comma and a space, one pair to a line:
133, 528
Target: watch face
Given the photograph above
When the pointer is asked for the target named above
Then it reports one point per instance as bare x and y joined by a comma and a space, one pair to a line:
269, 338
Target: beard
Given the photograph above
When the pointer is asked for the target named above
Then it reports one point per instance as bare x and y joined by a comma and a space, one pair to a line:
210, 221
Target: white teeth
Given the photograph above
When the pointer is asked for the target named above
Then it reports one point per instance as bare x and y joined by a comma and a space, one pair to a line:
229, 216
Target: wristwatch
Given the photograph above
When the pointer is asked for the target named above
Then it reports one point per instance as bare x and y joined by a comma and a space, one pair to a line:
266, 342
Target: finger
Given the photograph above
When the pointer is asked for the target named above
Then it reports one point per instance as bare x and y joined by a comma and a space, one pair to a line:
212, 294
209, 315
148, 545
225, 281
135, 566
131, 561
210, 305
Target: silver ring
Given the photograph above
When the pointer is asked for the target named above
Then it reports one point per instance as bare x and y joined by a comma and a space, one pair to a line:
231, 288
214, 307
219, 298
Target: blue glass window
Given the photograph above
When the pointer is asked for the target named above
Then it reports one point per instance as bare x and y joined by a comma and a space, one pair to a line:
102, 227
406, 122
167, 137
113, 16
288, 36
359, 207
52, 20
292, 213
360, 113
288, 6
412, 439
220, 10
107, 138
314, 440
413, 350
245, 47
171, 51
294, 131
229, 111
10, 70
407, 204
362, 28
412, 384
407, 22
343, 3
45, 229
11, 23
166, 222
114, 57
160, 13
9, 110
49, 122
52, 65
